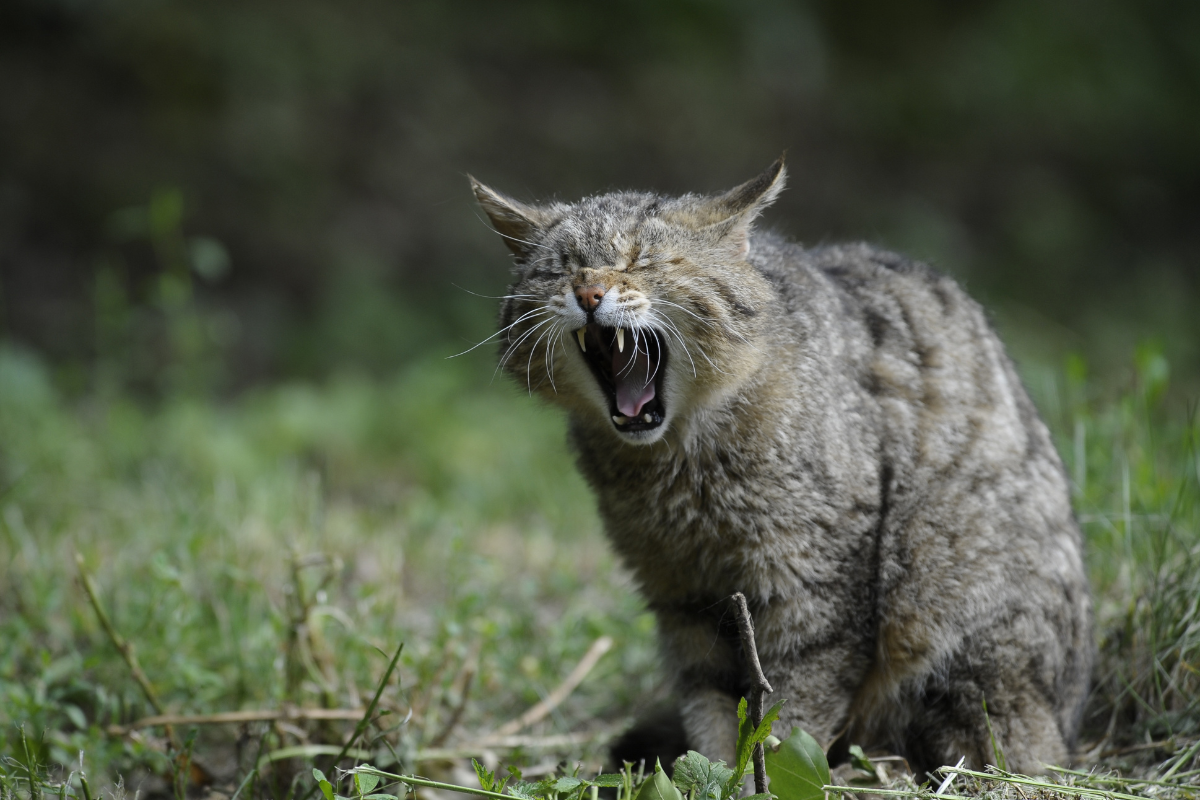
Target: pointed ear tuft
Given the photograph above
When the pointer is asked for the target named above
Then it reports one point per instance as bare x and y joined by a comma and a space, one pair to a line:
754, 195
516, 222
729, 215
739, 206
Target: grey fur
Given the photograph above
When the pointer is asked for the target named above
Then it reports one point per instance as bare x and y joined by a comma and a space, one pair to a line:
845, 441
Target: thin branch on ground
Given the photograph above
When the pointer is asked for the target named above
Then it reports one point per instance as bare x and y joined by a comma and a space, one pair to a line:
467, 749
124, 647
541, 709
238, 717
465, 680
759, 687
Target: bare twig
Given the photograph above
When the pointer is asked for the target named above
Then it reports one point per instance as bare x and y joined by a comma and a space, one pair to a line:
1121, 751
758, 689
183, 760
238, 717
950, 777
466, 749
561, 692
424, 700
464, 681
124, 647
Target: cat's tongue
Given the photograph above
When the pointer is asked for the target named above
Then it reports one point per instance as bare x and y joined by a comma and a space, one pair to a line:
634, 375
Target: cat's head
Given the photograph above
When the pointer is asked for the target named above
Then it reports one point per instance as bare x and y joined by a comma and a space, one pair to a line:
632, 310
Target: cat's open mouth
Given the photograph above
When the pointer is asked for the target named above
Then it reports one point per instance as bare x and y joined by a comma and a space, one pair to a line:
629, 366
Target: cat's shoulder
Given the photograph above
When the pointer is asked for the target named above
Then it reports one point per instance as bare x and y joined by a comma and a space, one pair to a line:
850, 264
869, 274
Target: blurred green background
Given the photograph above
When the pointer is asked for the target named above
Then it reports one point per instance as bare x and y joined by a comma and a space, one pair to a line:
237, 245
305, 161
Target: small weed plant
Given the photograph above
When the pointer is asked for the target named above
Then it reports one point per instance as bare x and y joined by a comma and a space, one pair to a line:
796, 766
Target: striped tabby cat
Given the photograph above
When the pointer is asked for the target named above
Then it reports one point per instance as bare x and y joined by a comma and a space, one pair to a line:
835, 432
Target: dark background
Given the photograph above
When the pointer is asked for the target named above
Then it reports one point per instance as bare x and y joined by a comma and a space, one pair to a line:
262, 190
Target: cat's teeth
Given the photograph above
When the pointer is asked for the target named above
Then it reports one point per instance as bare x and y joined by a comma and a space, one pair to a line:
647, 418
582, 342
621, 340
620, 420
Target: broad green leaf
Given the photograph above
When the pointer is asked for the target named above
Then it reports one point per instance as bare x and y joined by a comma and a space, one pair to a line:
860, 761
567, 784
743, 750
798, 769
380, 797
364, 782
748, 736
609, 780
695, 772
544, 787
526, 790
323, 782
658, 786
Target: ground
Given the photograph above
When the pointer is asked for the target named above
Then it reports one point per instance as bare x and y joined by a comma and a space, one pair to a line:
272, 550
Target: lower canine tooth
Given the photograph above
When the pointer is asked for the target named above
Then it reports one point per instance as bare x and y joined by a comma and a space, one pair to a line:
620, 420
647, 418
621, 340
582, 342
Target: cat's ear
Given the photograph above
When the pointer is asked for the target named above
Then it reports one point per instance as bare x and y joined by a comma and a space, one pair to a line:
516, 222
729, 216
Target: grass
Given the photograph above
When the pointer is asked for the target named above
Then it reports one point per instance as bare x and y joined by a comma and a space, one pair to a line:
273, 551
265, 552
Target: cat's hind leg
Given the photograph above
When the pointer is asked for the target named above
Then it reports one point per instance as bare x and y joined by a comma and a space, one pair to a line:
998, 700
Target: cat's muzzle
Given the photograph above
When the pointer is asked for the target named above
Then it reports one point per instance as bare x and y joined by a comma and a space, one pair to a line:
629, 364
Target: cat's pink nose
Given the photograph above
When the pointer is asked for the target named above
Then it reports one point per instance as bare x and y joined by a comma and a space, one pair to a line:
589, 297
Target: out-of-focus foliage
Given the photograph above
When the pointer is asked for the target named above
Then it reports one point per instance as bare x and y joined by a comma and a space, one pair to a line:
257, 552
1046, 153
196, 196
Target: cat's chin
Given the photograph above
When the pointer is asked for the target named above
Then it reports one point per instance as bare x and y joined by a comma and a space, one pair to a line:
644, 436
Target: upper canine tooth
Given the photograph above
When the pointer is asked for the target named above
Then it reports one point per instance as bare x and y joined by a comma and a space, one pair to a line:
621, 340
582, 342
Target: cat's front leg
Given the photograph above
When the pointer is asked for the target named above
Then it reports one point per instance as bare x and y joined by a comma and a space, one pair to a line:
710, 723
700, 648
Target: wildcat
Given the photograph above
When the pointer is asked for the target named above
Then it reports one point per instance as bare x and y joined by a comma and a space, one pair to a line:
835, 432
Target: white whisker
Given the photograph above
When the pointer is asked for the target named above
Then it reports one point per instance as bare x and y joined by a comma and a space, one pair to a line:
491, 297
706, 320
513, 238
552, 348
672, 329
679, 336
532, 352
512, 348
522, 318
658, 363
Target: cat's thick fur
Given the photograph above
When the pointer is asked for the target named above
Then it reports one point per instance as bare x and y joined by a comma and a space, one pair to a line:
837, 433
